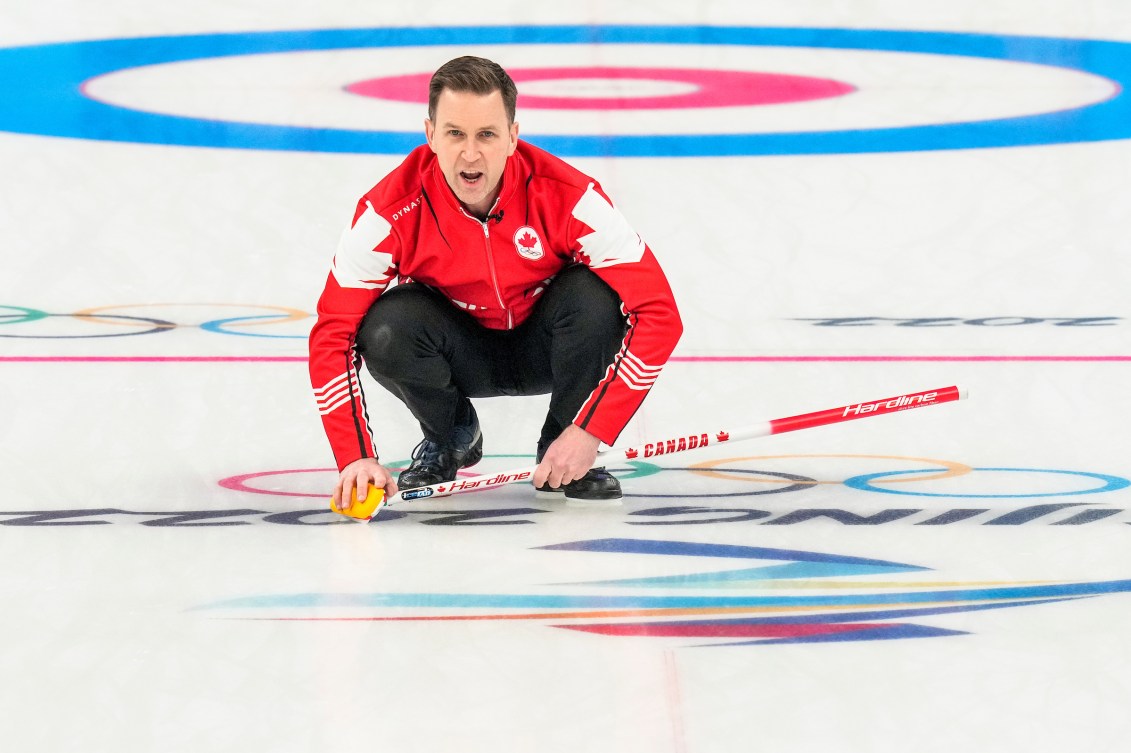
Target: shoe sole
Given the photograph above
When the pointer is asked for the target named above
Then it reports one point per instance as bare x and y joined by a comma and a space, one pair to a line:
606, 502
560, 493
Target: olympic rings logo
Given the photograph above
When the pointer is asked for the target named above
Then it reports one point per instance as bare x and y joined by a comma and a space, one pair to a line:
882, 482
147, 319
958, 480
128, 320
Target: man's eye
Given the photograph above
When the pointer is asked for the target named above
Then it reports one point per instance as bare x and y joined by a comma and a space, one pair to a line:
487, 135
455, 134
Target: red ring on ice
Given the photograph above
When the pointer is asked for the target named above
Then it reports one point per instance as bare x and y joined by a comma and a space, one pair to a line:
240, 483
713, 88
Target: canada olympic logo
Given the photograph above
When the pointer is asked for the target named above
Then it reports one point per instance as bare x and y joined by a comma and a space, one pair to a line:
528, 244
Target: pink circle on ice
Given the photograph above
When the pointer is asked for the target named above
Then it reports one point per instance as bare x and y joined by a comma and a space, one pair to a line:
624, 88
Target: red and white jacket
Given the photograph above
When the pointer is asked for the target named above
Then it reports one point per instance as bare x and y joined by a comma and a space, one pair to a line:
410, 226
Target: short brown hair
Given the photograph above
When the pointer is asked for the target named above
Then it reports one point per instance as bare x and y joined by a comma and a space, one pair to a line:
475, 75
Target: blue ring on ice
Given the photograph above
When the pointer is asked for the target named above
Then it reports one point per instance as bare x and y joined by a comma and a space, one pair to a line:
42, 88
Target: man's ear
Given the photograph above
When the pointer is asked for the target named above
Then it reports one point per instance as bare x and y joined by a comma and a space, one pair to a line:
514, 138
429, 133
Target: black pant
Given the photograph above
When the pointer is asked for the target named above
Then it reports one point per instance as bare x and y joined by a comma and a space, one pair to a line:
433, 356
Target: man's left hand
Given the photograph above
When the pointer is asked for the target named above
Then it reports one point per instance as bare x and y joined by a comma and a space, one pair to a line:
568, 458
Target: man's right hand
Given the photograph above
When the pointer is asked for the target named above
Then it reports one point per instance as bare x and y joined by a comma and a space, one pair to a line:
358, 475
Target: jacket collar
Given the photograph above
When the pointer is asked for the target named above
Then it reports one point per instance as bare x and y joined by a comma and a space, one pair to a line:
513, 173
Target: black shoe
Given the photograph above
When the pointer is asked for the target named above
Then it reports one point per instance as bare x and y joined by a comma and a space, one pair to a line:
597, 485
433, 463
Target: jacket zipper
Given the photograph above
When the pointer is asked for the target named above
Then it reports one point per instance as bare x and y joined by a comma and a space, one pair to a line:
491, 267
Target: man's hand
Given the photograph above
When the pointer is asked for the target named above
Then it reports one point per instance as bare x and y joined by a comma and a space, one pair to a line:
568, 458
359, 475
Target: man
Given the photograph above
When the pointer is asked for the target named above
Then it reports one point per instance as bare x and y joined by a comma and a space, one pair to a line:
516, 276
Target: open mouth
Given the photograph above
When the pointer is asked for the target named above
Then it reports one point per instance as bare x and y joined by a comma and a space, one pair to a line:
470, 177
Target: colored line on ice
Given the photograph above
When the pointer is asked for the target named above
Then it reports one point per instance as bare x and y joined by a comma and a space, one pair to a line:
674, 359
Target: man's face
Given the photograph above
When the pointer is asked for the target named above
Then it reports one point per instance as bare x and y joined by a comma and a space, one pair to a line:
472, 140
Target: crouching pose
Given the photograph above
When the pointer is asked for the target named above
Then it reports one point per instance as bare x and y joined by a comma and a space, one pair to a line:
483, 266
